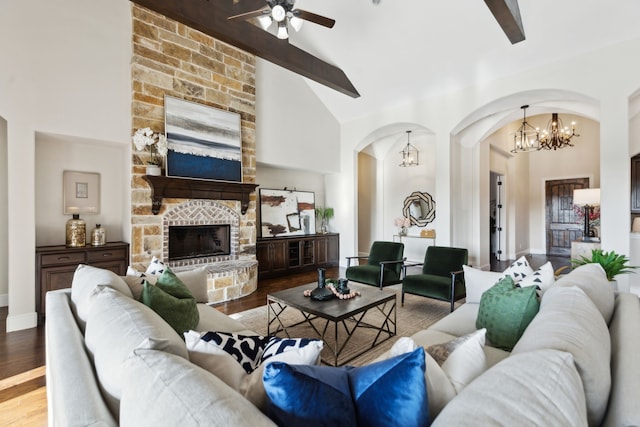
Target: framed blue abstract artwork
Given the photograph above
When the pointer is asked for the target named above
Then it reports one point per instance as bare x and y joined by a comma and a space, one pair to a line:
204, 142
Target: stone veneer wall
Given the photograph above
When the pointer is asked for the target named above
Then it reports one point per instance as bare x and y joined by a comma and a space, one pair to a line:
172, 59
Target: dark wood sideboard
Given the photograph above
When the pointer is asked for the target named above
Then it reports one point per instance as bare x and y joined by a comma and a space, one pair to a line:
55, 266
279, 256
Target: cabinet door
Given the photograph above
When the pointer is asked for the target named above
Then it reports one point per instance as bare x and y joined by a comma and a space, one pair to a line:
278, 256
333, 249
321, 250
51, 279
307, 252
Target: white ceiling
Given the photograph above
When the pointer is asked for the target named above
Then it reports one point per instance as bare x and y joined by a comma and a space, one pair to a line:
403, 49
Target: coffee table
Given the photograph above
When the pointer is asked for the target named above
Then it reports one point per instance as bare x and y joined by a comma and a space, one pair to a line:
348, 314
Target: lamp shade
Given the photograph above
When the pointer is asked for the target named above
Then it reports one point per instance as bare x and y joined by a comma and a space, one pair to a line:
586, 196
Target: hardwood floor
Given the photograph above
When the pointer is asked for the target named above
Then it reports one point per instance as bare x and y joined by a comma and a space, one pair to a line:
22, 353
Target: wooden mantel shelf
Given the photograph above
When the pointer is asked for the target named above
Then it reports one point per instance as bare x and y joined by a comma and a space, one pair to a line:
185, 188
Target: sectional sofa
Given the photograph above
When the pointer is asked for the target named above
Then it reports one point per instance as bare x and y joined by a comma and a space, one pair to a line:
113, 361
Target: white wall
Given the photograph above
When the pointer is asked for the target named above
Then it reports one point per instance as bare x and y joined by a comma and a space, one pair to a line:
4, 221
65, 70
55, 154
293, 128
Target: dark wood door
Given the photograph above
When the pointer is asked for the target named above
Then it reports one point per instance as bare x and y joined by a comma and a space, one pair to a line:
562, 224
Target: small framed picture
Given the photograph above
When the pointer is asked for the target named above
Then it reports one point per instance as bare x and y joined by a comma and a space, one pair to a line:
81, 192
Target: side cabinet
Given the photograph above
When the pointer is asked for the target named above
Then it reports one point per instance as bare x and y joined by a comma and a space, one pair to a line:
55, 266
279, 256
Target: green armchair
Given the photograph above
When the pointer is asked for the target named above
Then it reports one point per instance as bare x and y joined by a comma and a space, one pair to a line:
442, 277
384, 265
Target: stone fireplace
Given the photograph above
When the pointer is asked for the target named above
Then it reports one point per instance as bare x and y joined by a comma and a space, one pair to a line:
172, 59
229, 275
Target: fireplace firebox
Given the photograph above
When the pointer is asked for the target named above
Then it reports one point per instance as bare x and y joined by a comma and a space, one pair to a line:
199, 241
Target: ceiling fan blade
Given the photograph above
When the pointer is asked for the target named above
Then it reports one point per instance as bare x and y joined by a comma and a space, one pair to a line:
249, 15
316, 19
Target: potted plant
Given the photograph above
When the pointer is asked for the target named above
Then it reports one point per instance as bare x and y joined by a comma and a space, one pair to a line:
324, 215
612, 263
156, 143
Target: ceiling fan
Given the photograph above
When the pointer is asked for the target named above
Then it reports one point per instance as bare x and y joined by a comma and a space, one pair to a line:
282, 13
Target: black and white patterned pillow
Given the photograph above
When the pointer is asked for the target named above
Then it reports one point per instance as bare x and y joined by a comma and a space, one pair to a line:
156, 267
519, 269
246, 349
308, 349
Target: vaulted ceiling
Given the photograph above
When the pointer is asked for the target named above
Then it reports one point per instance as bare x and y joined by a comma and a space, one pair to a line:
398, 50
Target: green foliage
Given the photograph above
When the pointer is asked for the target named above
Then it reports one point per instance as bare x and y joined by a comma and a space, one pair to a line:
324, 213
612, 263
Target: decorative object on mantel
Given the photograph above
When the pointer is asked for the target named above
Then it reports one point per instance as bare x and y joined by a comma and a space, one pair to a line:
204, 142
402, 223
184, 188
324, 214
156, 143
409, 154
526, 138
587, 198
557, 135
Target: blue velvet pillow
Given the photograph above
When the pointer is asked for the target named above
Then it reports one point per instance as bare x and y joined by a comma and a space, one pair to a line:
387, 393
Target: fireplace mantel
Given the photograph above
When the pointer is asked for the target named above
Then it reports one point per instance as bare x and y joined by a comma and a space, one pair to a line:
185, 188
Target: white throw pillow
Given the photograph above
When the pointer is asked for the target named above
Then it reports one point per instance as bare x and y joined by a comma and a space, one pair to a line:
195, 280
462, 359
477, 281
156, 267
519, 270
542, 278
85, 280
592, 279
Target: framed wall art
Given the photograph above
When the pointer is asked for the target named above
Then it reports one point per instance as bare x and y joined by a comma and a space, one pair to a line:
81, 192
203, 142
287, 212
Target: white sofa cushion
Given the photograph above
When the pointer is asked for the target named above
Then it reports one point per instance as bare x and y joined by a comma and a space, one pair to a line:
195, 280
569, 321
116, 325
211, 319
85, 280
592, 279
477, 281
538, 388
166, 390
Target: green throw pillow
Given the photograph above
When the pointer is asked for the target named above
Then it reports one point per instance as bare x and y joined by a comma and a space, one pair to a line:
506, 311
173, 301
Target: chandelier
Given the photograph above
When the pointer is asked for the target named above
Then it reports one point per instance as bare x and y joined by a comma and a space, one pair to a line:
526, 138
409, 154
557, 135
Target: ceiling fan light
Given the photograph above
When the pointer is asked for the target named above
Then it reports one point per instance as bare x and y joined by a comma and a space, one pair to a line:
265, 21
278, 13
282, 34
296, 23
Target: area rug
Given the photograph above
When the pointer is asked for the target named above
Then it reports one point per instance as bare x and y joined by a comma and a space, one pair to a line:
417, 313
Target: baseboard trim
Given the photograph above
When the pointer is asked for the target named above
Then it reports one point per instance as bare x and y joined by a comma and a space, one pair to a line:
22, 321
4, 300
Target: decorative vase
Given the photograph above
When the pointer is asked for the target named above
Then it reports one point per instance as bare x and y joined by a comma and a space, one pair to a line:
98, 236
402, 231
154, 170
76, 232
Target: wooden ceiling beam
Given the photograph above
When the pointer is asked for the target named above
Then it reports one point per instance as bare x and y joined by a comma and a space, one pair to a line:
210, 17
507, 13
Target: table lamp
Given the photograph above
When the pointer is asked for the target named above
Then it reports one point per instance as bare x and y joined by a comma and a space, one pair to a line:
587, 198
